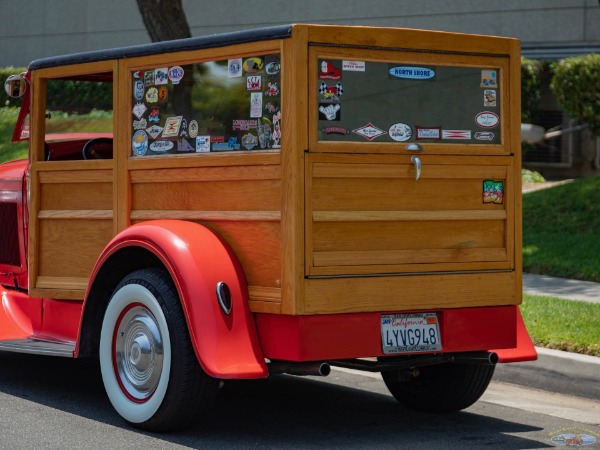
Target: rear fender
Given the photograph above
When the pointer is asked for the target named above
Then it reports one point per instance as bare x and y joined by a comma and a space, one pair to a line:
227, 346
524, 351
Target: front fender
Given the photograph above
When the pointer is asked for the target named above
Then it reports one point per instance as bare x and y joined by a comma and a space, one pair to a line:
227, 346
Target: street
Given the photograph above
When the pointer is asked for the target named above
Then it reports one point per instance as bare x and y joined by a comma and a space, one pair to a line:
52, 403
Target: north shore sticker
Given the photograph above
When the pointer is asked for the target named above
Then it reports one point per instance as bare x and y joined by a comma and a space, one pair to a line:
369, 131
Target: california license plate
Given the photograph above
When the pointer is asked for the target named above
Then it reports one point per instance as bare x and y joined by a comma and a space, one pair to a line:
410, 333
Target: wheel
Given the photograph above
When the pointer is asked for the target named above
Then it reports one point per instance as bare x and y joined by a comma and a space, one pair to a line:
439, 388
149, 368
98, 148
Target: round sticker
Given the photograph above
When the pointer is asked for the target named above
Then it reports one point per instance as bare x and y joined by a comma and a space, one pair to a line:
487, 119
400, 132
139, 143
193, 128
176, 74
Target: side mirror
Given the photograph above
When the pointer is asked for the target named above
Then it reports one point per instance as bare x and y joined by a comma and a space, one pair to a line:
15, 85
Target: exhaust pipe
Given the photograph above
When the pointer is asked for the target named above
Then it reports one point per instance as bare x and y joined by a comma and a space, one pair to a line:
299, 368
482, 358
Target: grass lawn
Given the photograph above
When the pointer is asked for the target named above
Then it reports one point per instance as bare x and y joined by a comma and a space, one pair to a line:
561, 230
563, 324
10, 150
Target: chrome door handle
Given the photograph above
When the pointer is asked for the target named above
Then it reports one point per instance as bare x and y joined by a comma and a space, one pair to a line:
417, 163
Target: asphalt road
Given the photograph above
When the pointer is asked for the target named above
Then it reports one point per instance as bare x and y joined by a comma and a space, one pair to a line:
49, 403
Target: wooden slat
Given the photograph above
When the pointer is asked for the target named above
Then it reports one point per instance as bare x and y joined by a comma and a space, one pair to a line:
236, 173
66, 283
370, 216
408, 269
420, 256
265, 307
76, 214
265, 294
149, 214
405, 293
460, 171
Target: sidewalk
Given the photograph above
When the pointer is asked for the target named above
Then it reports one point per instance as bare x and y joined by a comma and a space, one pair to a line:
560, 287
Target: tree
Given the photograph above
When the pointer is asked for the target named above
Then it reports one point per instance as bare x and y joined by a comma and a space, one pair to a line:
164, 19
576, 84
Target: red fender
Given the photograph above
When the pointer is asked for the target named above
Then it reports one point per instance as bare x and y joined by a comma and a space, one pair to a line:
197, 259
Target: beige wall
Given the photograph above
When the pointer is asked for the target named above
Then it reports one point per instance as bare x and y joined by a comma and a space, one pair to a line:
31, 29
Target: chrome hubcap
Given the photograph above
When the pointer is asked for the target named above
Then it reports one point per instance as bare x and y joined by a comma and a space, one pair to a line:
138, 353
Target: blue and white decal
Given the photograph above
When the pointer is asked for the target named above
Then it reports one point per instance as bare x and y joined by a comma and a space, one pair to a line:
412, 73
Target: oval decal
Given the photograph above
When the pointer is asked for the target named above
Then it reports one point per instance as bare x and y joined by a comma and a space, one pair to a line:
487, 119
400, 132
412, 73
253, 65
161, 146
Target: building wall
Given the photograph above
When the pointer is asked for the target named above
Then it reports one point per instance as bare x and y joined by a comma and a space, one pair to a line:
31, 29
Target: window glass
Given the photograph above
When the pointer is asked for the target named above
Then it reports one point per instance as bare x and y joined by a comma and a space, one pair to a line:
215, 106
364, 101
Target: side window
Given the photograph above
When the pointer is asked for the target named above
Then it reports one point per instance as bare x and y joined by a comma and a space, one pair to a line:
215, 106
79, 118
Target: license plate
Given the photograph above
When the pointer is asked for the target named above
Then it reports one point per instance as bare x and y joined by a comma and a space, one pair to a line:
410, 333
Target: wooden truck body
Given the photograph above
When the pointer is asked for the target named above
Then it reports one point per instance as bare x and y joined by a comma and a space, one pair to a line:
298, 196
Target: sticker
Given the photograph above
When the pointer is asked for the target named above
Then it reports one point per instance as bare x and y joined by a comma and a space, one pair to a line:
271, 107
163, 94
276, 133
335, 130
456, 134
369, 131
234, 68
329, 72
272, 67
330, 93
138, 90
183, 145
138, 74
429, 132
140, 124
152, 95
249, 141
176, 74
229, 145
253, 65
244, 124
139, 143
411, 73
493, 191
149, 78
172, 125
154, 131
400, 132
184, 125
489, 97
353, 66
487, 119
329, 112
254, 83
217, 139
573, 437
139, 109
489, 79
484, 135
154, 116
193, 128
272, 89
202, 144
256, 101
161, 76
161, 146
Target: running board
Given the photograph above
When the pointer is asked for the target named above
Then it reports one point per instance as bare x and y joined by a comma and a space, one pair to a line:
39, 347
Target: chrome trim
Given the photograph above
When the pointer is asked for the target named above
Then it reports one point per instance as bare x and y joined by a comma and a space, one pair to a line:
34, 346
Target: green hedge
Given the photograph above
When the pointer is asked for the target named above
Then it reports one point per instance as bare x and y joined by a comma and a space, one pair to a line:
576, 85
531, 87
70, 96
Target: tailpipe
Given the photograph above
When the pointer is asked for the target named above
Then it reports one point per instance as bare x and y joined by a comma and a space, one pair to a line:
481, 358
321, 369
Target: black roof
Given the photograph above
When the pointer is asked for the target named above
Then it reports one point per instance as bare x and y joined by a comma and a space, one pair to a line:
194, 43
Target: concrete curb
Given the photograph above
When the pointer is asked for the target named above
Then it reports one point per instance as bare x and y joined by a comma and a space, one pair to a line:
562, 288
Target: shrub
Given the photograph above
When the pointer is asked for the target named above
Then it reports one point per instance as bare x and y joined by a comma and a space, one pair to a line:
531, 87
576, 85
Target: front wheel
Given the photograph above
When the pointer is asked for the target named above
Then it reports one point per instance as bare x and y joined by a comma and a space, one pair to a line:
439, 388
149, 368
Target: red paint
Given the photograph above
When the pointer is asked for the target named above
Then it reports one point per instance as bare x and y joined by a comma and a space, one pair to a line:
20, 315
197, 259
61, 320
343, 336
524, 351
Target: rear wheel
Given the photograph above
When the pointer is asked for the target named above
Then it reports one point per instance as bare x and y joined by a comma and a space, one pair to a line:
439, 388
149, 368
